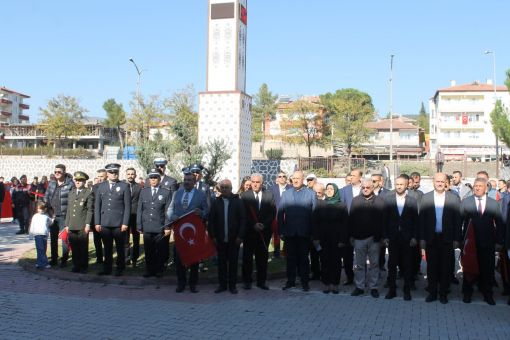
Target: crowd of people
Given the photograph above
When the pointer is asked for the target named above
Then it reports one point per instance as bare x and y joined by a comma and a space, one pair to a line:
325, 229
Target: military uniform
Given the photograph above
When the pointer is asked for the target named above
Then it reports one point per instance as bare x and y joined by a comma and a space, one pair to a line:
79, 215
150, 219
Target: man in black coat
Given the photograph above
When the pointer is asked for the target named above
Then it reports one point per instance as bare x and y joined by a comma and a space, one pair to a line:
440, 233
112, 212
484, 215
260, 213
134, 188
151, 218
400, 234
98, 243
227, 227
21, 204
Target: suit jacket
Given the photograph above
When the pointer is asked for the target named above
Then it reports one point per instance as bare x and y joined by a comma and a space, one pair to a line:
236, 219
80, 209
400, 227
383, 192
2, 192
151, 211
330, 223
346, 196
452, 230
113, 207
265, 215
275, 190
489, 227
417, 194
135, 189
176, 210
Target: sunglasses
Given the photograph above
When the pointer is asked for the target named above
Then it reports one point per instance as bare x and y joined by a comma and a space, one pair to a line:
310, 179
281, 176
57, 172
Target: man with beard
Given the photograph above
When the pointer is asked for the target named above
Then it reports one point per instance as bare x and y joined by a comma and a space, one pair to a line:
134, 188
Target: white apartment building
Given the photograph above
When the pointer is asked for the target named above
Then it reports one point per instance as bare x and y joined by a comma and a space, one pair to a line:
460, 122
12, 106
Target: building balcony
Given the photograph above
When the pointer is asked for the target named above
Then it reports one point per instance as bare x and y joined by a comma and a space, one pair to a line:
24, 106
5, 113
24, 117
5, 101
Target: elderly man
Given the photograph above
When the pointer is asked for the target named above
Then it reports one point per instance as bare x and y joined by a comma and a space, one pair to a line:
365, 225
295, 224
440, 234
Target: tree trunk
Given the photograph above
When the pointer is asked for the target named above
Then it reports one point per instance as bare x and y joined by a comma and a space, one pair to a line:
309, 150
120, 139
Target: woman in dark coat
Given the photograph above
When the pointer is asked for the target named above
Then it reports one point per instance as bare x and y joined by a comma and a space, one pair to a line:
329, 235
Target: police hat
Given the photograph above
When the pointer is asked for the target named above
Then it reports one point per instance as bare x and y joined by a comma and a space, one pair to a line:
112, 167
81, 176
152, 173
196, 168
186, 170
160, 161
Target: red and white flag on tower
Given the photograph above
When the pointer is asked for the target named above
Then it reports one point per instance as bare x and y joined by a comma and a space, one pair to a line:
191, 239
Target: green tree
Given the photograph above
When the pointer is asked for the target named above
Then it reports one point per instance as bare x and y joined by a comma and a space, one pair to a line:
217, 153
264, 106
146, 113
423, 119
115, 118
499, 117
349, 111
62, 118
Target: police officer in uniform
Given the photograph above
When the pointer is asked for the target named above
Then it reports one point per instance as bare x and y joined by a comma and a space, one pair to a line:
78, 221
166, 181
150, 219
112, 212
196, 169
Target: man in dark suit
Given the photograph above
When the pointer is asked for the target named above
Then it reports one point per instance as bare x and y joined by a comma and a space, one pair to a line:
186, 199
484, 215
134, 188
440, 234
381, 191
98, 243
111, 214
260, 213
277, 189
78, 221
151, 217
227, 227
400, 234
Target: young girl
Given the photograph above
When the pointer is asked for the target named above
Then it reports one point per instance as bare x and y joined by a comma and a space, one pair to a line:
39, 229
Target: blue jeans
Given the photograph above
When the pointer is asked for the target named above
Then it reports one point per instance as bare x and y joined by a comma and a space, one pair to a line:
41, 243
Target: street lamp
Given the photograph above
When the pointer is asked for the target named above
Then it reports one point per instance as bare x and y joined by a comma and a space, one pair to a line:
487, 52
138, 81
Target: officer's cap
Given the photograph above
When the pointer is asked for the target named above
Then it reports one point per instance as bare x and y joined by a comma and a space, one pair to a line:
112, 167
186, 170
81, 176
153, 173
196, 168
160, 161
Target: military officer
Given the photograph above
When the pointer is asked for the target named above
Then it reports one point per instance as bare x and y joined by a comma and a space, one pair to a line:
112, 212
150, 219
78, 221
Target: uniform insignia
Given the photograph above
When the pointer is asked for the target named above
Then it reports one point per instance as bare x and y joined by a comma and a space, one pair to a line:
81, 203
118, 189
160, 197
166, 183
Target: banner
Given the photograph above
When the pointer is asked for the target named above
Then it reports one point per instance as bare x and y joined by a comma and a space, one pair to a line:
191, 239
7, 205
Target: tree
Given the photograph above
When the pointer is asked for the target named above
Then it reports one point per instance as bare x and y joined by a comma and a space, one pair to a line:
115, 118
217, 153
499, 117
423, 119
349, 111
264, 106
145, 113
62, 118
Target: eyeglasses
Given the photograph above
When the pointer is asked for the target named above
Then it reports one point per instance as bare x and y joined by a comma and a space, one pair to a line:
366, 188
160, 165
282, 176
57, 172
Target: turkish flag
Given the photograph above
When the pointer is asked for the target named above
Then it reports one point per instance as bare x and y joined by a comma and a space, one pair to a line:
469, 259
191, 239
7, 205
64, 236
464, 119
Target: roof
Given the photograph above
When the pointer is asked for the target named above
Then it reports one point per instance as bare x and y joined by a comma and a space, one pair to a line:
13, 92
398, 124
472, 87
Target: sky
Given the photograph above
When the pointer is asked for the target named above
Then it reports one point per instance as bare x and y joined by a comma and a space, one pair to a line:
297, 47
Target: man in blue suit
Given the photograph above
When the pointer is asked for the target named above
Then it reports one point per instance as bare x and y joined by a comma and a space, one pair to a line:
187, 199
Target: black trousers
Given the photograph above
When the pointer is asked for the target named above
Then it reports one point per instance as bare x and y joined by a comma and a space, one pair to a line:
439, 265
22, 213
297, 258
486, 264
134, 252
416, 261
108, 235
79, 242
382, 257
347, 257
331, 264
315, 262
55, 229
255, 246
400, 254
154, 245
98, 245
182, 270
228, 256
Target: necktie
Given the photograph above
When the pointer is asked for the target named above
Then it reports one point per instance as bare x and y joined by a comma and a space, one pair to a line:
257, 198
480, 211
185, 200
153, 192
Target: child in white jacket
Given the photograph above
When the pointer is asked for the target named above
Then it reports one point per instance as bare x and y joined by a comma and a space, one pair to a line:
39, 229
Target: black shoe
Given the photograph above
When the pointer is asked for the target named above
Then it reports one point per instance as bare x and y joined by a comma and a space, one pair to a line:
357, 292
306, 287
391, 294
193, 289
53, 262
247, 286
288, 285
104, 272
118, 272
466, 299
233, 290
407, 295
443, 299
263, 287
326, 291
348, 282
75, 270
374, 293
455, 281
489, 300
147, 274
179, 289
220, 289
63, 264
21, 232
431, 298
335, 291
159, 275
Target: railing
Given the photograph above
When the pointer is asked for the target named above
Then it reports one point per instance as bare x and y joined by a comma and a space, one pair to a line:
332, 166
48, 152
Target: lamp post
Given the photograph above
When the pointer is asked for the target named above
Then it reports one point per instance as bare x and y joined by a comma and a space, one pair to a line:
487, 52
391, 113
138, 81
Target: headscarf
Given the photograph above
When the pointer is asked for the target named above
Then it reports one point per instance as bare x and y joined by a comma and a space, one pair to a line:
336, 196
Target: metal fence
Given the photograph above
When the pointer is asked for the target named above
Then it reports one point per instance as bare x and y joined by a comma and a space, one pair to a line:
332, 166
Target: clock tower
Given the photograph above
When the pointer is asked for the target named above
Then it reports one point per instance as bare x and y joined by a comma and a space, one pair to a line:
224, 108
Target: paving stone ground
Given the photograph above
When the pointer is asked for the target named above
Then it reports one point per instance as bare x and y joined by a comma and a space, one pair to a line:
41, 307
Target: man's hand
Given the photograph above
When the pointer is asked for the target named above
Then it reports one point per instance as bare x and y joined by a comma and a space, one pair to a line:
86, 230
197, 212
258, 226
413, 243
167, 232
386, 242
98, 228
123, 228
423, 244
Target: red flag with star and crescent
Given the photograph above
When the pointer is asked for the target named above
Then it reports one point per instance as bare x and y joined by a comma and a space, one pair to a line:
191, 239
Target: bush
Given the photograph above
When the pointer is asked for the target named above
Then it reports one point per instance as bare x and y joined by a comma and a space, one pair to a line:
274, 154
422, 169
320, 172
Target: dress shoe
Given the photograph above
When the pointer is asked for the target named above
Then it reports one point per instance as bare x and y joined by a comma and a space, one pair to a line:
407, 295
391, 294
357, 292
335, 291
75, 270
20, 232
431, 297
159, 275
104, 272
247, 285
489, 300
233, 290
147, 274
306, 287
263, 287
288, 285
326, 291
193, 289
443, 299
348, 282
118, 272
374, 293
179, 289
466, 299
220, 289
